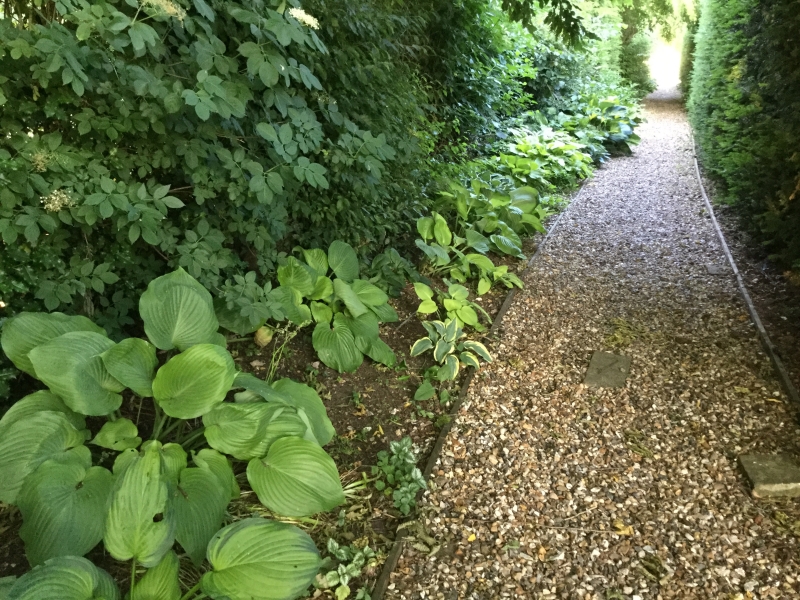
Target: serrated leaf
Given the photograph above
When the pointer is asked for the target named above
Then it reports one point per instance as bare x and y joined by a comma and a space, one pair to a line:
132, 362
25, 331
177, 312
193, 382
63, 505
258, 558
343, 261
296, 478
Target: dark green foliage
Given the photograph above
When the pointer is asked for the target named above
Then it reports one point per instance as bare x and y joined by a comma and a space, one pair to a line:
633, 63
687, 54
745, 108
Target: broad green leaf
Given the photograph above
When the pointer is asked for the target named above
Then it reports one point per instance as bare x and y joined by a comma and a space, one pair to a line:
239, 429
233, 320
294, 275
377, 350
343, 261
506, 245
63, 506
449, 370
321, 312
65, 578
258, 559
484, 285
526, 198
297, 313
198, 504
285, 422
6, 583
534, 222
221, 467
25, 331
306, 398
173, 459
385, 313
297, 478
468, 315
336, 346
427, 307
423, 291
441, 350
364, 327
28, 443
477, 241
452, 305
193, 382
317, 260
436, 255
470, 360
479, 260
369, 294
441, 231
71, 366
426, 391
37, 402
425, 227
323, 289
346, 294
451, 331
177, 312
139, 524
259, 386
458, 292
160, 582
117, 435
478, 349
420, 346
132, 362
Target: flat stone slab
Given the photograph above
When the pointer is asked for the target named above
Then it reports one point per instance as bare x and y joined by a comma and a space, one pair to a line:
718, 268
772, 474
607, 370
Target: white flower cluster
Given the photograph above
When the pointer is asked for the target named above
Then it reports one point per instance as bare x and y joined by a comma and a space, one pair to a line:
305, 18
56, 200
40, 160
166, 7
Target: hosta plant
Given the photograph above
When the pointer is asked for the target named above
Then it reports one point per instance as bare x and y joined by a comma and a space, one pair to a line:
450, 351
347, 310
78, 482
455, 304
438, 242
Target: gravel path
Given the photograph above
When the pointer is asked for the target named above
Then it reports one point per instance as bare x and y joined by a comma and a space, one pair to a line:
549, 489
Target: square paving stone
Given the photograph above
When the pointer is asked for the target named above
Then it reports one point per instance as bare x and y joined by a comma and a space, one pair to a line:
607, 370
717, 268
772, 474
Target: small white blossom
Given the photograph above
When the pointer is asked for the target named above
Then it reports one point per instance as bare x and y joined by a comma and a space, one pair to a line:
56, 200
166, 7
305, 18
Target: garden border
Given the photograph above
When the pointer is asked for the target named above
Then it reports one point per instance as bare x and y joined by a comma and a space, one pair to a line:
382, 583
769, 348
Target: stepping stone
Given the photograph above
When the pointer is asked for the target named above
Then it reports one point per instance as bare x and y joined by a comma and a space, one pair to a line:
607, 370
717, 268
772, 474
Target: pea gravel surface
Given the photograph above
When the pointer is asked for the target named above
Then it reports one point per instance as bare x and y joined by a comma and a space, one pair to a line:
547, 488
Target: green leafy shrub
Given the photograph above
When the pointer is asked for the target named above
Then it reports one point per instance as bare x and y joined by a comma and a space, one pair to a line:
454, 302
352, 562
397, 475
633, 63
151, 498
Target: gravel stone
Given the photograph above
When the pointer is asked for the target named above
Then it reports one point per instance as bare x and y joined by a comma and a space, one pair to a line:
547, 488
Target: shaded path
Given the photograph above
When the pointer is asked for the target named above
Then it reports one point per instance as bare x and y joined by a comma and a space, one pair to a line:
549, 489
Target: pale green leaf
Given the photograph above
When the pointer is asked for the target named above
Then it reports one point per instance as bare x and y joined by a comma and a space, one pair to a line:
317, 260
441, 231
323, 289
484, 285
199, 504
132, 362
306, 398
423, 291
221, 467
369, 294
296, 276
159, 582
351, 300
343, 261
336, 346
239, 429
118, 435
31, 404
321, 312
468, 315
65, 578
478, 349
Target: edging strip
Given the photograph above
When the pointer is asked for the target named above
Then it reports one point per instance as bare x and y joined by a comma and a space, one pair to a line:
777, 363
382, 583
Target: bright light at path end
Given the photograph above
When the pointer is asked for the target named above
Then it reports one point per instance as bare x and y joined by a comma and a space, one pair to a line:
665, 63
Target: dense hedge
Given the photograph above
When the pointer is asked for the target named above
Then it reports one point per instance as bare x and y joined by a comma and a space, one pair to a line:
745, 109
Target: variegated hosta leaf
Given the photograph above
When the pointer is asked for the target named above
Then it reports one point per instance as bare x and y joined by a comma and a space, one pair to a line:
117, 435
178, 312
37, 402
193, 382
63, 505
297, 478
258, 559
71, 366
23, 332
199, 504
421, 345
306, 399
449, 370
65, 578
441, 350
132, 362
159, 582
470, 360
343, 261
27, 443
478, 349
139, 524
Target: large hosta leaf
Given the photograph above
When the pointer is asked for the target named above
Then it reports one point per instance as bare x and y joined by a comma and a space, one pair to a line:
139, 524
193, 382
239, 429
221, 467
25, 331
296, 276
378, 351
336, 346
28, 443
316, 259
306, 399
160, 582
71, 366
343, 261
369, 294
132, 362
118, 435
258, 559
199, 504
63, 506
35, 403
351, 300
296, 312
178, 312
259, 386
296, 478
65, 578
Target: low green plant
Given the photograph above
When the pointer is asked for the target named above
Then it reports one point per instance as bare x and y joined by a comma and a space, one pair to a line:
352, 562
397, 475
150, 499
390, 272
450, 353
455, 303
347, 310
